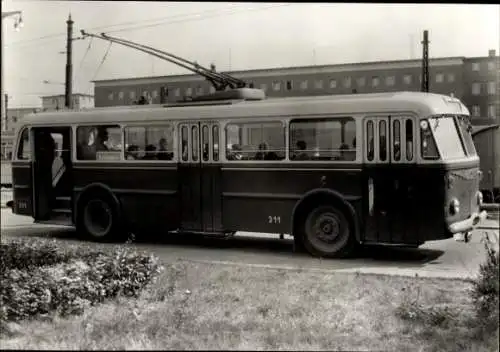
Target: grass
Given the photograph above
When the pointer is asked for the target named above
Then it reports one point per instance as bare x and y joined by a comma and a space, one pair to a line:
200, 306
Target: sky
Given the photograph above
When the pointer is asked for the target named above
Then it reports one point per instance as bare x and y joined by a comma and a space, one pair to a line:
234, 36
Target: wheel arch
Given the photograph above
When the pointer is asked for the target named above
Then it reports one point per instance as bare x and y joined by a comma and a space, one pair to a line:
333, 197
96, 188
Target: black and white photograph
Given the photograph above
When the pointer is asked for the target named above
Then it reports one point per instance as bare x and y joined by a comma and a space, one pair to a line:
249, 176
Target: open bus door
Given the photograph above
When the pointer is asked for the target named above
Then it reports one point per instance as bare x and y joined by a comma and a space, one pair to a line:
51, 173
200, 177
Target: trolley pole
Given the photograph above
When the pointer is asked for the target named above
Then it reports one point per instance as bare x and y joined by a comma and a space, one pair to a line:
69, 65
425, 63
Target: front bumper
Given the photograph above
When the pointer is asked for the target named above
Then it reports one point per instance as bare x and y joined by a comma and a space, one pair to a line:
468, 224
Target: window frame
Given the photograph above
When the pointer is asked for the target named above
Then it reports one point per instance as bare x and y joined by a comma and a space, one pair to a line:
319, 119
223, 129
20, 145
172, 143
94, 125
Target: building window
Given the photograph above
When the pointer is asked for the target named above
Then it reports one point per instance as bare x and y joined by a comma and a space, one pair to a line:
407, 79
211, 89
132, 95
491, 111
347, 82
145, 94
476, 111
120, 95
263, 86
390, 80
492, 89
476, 88
439, 78
361, 81
155, 94
451, 78
333, 83
318, 84
110, 96
304, 84
189, 91
491, 66
199, 90
276, 85
475, 66
289, 85
375, 81
177, 92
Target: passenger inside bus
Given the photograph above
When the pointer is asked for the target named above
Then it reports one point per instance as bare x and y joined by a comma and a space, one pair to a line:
301, 153
235, 153
150, 152
163, 154
132, 152
263, 154
101, 139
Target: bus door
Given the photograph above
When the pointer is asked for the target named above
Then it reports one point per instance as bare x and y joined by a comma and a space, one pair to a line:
51, 171
200, 177
404, 228
378, 178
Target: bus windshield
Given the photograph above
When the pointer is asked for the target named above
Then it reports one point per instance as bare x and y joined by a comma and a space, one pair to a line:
446, 137
466, 135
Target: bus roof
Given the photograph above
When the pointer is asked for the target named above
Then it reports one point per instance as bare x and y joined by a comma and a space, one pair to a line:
423, 104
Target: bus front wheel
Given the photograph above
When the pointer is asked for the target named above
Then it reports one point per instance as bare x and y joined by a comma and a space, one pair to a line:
98, 219
327, 233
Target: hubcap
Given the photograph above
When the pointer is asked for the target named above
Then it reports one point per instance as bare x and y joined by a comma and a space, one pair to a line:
327, 227
97, 218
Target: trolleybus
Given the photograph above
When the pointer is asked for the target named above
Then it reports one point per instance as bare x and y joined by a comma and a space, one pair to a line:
332, 171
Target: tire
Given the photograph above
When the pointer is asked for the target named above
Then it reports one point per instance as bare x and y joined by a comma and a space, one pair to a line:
98, 219
327, 232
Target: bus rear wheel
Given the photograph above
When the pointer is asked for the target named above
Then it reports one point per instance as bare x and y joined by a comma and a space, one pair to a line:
98, 219
327, 233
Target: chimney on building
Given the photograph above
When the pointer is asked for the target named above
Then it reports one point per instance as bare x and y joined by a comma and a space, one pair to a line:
491, 53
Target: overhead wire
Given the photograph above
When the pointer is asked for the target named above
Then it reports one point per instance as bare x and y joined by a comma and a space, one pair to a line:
82, 60
57, 35
102, 61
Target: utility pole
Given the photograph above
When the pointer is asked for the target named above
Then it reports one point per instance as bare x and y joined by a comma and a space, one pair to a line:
425, 63
6, 112
69, 65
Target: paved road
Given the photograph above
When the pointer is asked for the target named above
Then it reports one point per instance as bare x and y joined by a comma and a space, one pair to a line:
446, 258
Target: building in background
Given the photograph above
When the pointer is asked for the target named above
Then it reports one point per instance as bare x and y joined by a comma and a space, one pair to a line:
476, 81
57, 102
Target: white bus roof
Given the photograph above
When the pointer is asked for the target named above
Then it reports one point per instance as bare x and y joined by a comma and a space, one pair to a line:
422, 104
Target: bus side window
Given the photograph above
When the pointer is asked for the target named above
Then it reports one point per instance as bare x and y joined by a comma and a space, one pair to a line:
396, 128
370, 146
24, 151
205, 142
215, 141
409, 140
382, 140
194, 143
184, 143
99, 142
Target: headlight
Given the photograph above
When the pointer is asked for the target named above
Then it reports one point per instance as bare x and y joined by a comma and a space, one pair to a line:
454, 206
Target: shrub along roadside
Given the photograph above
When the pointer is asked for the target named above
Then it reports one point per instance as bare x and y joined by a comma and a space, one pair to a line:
40, 278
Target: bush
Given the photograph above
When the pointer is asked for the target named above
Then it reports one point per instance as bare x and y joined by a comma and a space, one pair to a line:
39, 278
485, 289
26, 255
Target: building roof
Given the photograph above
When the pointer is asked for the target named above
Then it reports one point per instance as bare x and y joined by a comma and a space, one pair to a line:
62, 95
292, 70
